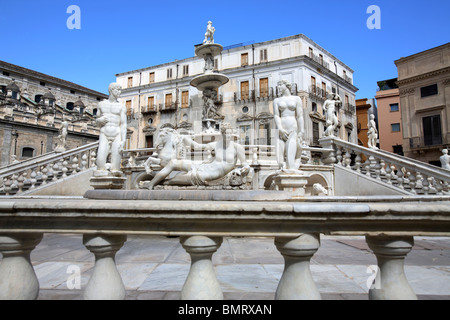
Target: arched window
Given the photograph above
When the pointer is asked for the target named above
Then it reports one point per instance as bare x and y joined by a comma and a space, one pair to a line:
69, 105
27, 152
94, 112
37, 98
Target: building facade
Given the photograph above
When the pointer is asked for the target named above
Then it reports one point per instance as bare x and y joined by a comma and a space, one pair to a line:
424, 85
160, 96
389, 115
33, 107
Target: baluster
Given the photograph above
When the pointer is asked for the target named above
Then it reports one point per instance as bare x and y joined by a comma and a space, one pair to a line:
255, 156
388, 173
33, 179
75, 166
391, 282
382, 168
7, 183
84, 162
44, 175
438, 184
432, 185
425, 185
419, 182
20, 182
367, 167
357, 166
201, 282
64, 167
93, 159
339, 156
405, 178
347, 158
55, 170
105, 282
400, 175
297, 283
412, 182
18, 280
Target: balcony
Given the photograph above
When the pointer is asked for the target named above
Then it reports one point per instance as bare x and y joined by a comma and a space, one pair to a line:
319, 60
169, 107
149, 109
317, 93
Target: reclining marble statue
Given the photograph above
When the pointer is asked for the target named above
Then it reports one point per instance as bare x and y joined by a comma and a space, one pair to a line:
112, 120
288, 116
226, 154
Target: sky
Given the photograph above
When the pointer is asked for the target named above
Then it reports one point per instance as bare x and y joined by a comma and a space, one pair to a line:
119, 36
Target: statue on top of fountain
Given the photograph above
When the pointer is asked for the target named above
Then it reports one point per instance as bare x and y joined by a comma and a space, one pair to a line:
209, 33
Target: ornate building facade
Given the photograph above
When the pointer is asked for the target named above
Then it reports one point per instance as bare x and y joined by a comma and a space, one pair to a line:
424, 86
160, 96
33, 107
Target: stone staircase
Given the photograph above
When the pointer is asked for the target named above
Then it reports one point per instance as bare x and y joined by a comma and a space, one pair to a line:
35, 174
405, 175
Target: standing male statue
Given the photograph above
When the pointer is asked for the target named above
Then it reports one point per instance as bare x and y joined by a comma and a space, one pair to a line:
209, 33
288, 116
330, 110
112, 120
445, 160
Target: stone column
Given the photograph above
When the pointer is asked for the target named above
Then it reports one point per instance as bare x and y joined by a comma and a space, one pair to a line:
391, 282
201, 282
105, 282
18, 280
296, 282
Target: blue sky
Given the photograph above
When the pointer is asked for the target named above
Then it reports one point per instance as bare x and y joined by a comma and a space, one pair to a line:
118, 36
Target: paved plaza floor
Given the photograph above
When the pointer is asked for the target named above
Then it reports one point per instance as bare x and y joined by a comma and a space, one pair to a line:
155, 267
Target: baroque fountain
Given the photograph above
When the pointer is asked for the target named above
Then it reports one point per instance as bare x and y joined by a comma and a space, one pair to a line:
205, 196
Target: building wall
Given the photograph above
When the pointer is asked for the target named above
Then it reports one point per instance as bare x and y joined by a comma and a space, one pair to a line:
387, 117
296, 59
362, 112
416, 73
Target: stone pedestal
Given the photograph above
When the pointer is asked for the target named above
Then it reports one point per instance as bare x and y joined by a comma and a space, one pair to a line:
105, 282
18, 280
391, 282
291, 180
107, 180
201, 283
296, 282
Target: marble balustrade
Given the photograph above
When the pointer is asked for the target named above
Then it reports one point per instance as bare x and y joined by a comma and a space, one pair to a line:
201, 225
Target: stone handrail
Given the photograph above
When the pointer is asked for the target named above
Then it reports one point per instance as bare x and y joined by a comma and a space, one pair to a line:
41, 171
202, 219
412, 176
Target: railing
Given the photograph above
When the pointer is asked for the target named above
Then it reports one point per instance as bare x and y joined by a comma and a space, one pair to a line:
40, 171
149, 109
202, 219
410, 176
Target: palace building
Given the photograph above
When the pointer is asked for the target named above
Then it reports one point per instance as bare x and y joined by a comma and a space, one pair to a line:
161, 96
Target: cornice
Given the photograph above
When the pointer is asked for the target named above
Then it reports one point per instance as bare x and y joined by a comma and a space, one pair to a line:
423, 76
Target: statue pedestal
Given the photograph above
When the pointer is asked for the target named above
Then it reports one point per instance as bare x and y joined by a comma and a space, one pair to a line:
291, 180
107, 180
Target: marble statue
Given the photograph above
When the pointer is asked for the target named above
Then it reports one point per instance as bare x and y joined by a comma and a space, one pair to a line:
330, 111
445, 160
209, 33
112, 120
209, 98
372, 134
63, 131
226, 155
166, 148
288, 116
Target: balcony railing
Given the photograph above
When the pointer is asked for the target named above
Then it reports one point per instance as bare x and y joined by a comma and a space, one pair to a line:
168, 107
149, 109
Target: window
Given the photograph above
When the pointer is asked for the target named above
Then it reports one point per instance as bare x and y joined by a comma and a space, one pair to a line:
185, 99
263, 55
316, 135
27, 152
244, 134
69, 105
169, 73
264, 134
311, 52
38, 98
324, 90
151, 77
314, 107
128, 105
42, 83
395, 127
94, 112
130, 82
149, 141
429, 91
216, 64
168, 99
264, 87
244, 90
321, 59
186, 70
244, 59
432, 130
398, 149
72, 91
150, 102
394, 107
313, 83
